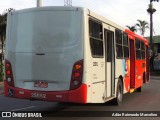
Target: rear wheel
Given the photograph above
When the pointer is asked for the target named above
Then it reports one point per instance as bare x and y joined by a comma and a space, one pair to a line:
139, 89
144, 77
144, 81
119, 93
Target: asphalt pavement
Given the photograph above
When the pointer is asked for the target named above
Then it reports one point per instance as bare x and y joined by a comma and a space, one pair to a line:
155, 77
147, 100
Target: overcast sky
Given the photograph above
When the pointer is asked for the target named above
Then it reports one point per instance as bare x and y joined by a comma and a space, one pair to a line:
123, 12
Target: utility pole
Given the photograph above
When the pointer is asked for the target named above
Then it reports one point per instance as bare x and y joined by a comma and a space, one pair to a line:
39, 3
151, 26
151, 10
67, 2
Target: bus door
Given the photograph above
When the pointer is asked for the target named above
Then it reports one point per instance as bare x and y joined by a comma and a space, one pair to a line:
147, 65
132, 64
109, 62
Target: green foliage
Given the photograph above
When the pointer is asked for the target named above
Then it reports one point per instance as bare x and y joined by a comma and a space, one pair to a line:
151, 9
132, 28
3, 22
142, 25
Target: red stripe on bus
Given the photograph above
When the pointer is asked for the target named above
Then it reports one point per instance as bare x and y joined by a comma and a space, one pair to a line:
76, 96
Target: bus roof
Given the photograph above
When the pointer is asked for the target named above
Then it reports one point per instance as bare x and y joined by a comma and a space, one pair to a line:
87, 11
133, 36
68, 8
48, 8
105, 20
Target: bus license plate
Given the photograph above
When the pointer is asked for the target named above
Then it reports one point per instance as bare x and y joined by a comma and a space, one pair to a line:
38, 95
41, 84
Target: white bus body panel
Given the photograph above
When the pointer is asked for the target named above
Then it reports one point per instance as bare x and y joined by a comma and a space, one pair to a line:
100, 92
59, 35
45, 46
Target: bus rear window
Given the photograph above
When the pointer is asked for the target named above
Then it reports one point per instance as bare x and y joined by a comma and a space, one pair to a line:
42, 29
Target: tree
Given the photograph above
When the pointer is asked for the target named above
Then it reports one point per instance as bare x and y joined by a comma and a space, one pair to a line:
151, 10
132, 28
142, 24
2, 32
3, 22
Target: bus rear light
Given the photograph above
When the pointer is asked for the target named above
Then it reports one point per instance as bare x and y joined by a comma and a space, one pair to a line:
77, 74
77, 67
9, 73
9, 79
76, 82
7, 65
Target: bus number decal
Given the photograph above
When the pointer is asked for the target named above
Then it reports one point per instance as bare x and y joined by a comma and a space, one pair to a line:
38, 95
95, 63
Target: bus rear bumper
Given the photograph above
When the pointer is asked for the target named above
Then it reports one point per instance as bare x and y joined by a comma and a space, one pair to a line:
78, 95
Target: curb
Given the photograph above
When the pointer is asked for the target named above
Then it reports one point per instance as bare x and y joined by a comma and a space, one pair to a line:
155, 77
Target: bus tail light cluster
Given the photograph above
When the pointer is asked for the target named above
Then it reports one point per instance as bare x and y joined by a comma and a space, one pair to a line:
9, 73
77, 74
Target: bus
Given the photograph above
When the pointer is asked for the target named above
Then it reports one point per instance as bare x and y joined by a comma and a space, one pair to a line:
70, 54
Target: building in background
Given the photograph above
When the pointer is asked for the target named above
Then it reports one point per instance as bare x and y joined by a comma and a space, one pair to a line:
156, 47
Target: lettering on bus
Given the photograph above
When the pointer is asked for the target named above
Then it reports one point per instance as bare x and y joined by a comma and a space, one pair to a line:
38, 95
95, 63
41, 84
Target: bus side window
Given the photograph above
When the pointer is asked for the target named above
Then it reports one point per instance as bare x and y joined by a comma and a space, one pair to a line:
125, 45
96, 39
138, 49
122, 45
143, 50
119, 46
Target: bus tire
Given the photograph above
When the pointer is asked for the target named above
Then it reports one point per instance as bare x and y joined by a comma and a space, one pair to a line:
119, 93
139, 89
144, 77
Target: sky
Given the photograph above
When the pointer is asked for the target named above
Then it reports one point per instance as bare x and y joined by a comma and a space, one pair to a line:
122, 12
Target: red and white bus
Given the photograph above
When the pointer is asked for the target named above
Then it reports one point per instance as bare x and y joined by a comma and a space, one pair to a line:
70, 54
